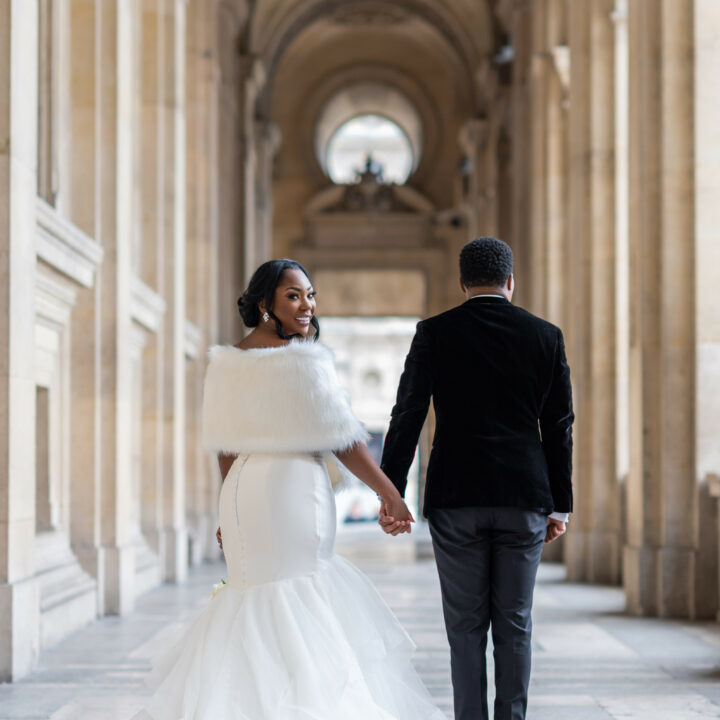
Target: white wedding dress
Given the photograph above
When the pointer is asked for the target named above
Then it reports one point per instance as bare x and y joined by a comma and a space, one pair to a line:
297, 633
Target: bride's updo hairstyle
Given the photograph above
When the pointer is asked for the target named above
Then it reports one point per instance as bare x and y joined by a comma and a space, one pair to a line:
262, 286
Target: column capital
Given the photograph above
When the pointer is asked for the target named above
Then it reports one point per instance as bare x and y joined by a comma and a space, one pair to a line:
269, 135
252, 71
473, 135
487, 83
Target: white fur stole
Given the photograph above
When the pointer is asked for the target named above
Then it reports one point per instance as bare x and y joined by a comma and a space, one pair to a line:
276, 400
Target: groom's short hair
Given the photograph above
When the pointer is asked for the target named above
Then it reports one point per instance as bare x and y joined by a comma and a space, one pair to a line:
485, 262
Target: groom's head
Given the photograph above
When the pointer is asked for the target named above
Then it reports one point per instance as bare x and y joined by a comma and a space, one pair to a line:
486, 264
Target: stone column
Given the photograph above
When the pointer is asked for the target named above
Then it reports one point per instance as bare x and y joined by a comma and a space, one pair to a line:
230, 188
556, 110
85, 205
661, 554
268, 139
473, 141
114, 24
173, 290
19, 604
593, 545
253, 80
487, 171
622, 257
201, 247
154, 252
540, 67
521, 24
707, 287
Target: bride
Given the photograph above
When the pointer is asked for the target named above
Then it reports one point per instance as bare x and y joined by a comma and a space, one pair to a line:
297, 633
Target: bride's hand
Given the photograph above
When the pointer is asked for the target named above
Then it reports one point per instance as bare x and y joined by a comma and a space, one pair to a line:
395, 518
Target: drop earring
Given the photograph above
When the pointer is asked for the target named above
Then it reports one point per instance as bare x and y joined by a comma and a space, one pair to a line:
265, 316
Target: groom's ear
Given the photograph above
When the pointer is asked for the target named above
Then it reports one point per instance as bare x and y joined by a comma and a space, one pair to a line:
462, 286
511, 284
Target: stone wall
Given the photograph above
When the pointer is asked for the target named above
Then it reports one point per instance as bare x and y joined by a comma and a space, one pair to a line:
120, 265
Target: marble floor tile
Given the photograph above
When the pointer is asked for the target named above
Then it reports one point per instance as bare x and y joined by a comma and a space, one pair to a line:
591, 662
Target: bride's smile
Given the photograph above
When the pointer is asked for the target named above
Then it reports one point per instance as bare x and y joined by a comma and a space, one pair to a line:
293, 304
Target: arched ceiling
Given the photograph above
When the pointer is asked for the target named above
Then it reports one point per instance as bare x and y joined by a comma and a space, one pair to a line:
464, 27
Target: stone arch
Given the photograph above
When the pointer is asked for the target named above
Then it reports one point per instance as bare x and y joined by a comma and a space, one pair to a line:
396, 82
368, 98
271, 41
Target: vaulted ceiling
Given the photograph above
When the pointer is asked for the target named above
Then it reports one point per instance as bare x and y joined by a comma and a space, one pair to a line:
462, 33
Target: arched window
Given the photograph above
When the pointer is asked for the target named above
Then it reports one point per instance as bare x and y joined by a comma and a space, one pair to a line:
374, 137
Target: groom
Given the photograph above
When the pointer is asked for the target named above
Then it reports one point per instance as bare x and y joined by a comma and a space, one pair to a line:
499, 477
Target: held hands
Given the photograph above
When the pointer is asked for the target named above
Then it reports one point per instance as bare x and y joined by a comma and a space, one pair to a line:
555, 528
394, 516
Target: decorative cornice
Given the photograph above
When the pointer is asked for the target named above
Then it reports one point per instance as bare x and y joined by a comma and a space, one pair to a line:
54, 299
65, 247
147, 308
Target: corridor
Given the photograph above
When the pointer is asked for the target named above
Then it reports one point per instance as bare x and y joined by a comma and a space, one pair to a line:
591, 661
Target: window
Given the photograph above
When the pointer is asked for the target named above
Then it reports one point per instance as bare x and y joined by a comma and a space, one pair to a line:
369, 137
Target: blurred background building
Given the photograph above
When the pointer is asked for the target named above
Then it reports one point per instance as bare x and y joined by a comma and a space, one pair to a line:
154, 152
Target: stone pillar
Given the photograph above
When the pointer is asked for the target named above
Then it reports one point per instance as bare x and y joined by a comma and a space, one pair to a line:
707, 287
557, 275
230, 187
622, 258
540, 67
487, 171
154, 252
661, 554
201, 249
254, 78
521, 24
19, 603
173, 290
115, 153
268, 139
473, 140
85, 205
593, 546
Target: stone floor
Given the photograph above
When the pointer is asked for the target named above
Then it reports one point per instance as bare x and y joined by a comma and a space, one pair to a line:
591, 661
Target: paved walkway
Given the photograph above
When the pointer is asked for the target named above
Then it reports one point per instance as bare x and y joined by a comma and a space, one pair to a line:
591, 661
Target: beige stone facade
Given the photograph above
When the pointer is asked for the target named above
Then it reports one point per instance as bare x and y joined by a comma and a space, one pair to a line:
153, 152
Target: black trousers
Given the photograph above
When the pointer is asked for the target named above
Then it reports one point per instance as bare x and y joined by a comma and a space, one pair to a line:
487, 560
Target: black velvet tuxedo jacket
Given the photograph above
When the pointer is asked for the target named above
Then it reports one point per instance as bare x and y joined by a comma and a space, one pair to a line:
500, 386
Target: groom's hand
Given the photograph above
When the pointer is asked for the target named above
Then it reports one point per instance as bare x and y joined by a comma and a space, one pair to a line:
389, 524
555, 528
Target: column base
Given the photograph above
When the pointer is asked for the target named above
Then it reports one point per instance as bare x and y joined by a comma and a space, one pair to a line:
19, 628
660, 582
593, 556
176, 554
118, 578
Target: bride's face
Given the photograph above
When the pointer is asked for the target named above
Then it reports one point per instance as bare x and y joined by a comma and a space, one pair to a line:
294, 302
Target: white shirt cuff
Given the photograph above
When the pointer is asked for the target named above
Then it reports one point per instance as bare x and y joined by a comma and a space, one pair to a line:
562, 517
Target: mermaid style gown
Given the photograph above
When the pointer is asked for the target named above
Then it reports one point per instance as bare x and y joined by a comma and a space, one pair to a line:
297, 633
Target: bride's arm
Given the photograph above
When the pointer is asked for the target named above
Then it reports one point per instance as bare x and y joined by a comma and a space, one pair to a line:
225, 462
360, 463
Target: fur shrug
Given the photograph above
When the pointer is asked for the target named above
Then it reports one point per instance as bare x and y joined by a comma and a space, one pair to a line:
276, 400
